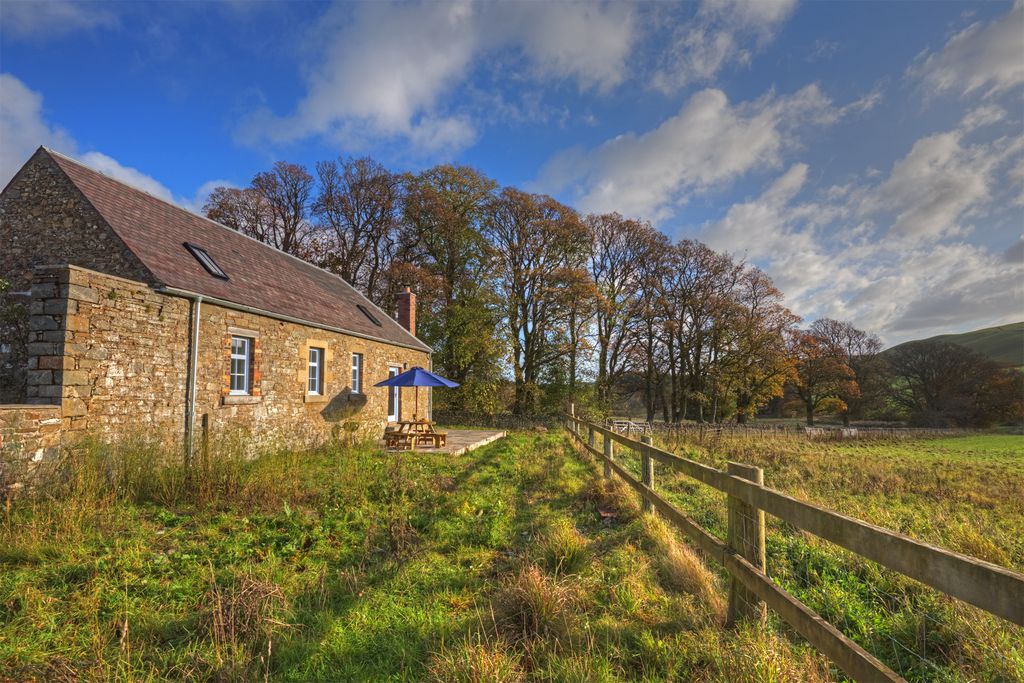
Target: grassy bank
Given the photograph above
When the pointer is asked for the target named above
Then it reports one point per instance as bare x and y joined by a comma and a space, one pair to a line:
510, 563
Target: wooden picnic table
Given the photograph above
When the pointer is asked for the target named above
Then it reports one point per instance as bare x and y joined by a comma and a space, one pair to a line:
412, 432
416, 426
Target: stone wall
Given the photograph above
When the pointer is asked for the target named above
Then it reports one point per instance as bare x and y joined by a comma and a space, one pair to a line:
29, 438
45, 220
114, 354
280, 406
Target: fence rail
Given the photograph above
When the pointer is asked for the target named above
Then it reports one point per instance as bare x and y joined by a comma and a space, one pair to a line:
988, 586
702, 431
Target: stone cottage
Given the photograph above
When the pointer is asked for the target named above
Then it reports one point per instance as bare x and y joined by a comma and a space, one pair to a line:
145, 317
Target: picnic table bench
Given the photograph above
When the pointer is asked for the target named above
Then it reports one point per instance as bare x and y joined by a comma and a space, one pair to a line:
410, 433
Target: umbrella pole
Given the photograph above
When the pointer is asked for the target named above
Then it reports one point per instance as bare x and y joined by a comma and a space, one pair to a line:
416, 405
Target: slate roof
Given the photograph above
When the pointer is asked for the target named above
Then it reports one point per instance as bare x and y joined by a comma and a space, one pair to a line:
261, 277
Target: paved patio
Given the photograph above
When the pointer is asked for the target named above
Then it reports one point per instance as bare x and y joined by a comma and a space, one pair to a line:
463, 440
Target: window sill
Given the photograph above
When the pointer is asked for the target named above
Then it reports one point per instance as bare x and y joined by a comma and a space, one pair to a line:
315, 398
240, 400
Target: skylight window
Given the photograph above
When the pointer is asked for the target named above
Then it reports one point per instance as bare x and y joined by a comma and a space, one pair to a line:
369, 315
206, 261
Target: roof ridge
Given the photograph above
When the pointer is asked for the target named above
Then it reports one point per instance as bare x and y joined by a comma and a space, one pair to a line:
225, 227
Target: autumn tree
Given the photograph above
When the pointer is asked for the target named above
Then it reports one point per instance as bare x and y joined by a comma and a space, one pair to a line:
357, 208
757, 362
695, 294
581, 297
651, 318
948, 385
619, 250
443, 244
539, 246
819, 374
274, 208
859, 351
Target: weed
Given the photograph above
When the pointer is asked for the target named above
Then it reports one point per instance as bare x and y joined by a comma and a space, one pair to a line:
241, 619
680, 567
564, 549
517, 561
474, 660
533, 605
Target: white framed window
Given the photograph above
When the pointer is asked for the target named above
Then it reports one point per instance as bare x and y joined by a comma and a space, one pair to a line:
357, 373
394, 396
241, 367
316, 371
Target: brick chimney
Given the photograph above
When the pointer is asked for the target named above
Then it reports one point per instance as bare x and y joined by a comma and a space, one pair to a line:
407, 310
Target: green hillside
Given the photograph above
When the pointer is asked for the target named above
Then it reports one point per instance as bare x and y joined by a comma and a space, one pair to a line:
1004, 343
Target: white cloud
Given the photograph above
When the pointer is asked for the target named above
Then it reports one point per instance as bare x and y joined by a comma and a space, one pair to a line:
126, 174
1017, 176
53, 18
840, 255
954, 287
23, 128
941, 182
390, 70
982, 116
984, 56
573, 41
709, 143
723, 32
934, 185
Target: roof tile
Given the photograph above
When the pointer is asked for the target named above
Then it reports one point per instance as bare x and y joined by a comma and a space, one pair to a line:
261, 277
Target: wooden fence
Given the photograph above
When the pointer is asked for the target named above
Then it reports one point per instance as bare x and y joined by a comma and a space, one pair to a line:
982, 584
702, 432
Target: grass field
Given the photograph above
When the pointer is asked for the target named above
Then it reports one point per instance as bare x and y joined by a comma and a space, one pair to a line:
510, 562
514, 562
964, 493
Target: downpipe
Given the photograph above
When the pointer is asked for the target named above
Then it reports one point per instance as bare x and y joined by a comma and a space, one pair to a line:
190, 391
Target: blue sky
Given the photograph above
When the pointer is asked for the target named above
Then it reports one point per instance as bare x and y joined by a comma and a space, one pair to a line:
868, 156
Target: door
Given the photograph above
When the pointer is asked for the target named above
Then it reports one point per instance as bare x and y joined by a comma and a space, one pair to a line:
394, 397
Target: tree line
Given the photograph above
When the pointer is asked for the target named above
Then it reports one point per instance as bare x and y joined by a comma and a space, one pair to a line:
529, 304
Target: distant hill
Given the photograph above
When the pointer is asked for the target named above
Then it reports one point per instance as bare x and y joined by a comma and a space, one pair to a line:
1004, 343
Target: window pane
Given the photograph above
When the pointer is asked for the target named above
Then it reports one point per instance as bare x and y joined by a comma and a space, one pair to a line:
239, 368
357, 373
315, 370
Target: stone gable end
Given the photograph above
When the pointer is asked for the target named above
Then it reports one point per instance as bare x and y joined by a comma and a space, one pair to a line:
45, 220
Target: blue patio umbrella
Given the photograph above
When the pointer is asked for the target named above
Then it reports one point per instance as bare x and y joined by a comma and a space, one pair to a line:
417, 377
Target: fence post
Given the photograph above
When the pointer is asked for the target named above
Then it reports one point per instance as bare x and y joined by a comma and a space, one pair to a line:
647, 471
746, 537
609, 453
590, 436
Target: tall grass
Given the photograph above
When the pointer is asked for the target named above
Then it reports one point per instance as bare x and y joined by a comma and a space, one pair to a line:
515, 562
964, 493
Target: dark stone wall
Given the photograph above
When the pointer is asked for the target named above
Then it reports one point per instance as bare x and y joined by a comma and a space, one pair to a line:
45, 221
